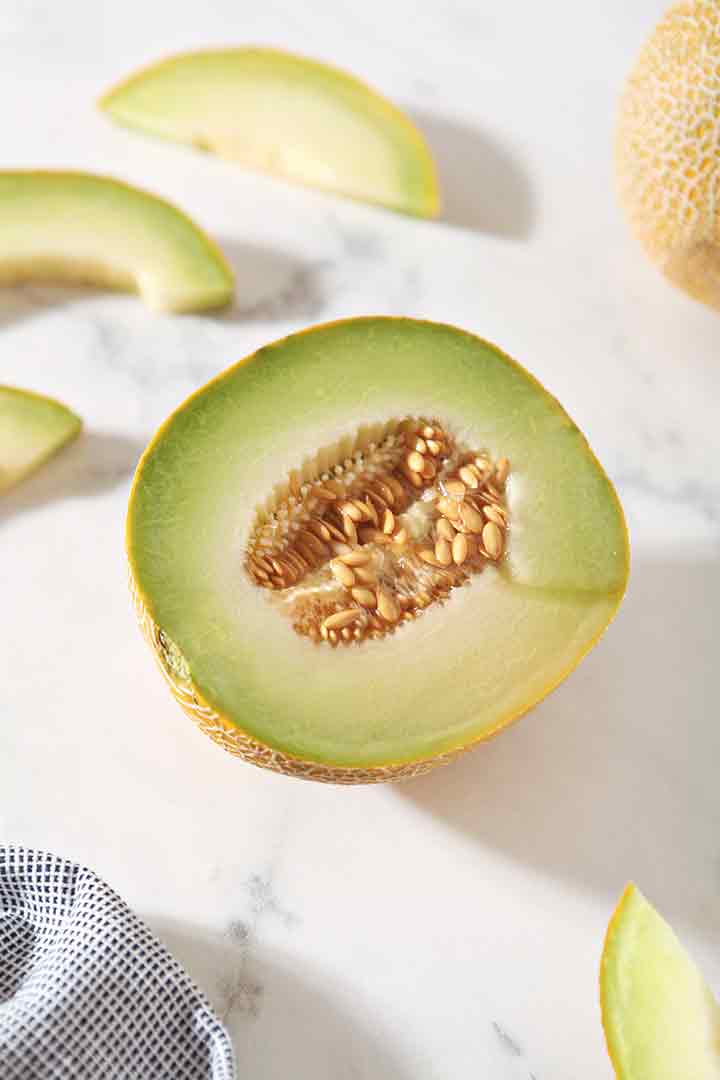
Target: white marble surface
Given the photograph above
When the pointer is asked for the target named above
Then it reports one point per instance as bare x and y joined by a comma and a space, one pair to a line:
450, 927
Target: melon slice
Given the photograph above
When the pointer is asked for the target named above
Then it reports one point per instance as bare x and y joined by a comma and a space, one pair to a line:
80, 228
667, 163
283, 114
32, 429
286, 492
661, 1020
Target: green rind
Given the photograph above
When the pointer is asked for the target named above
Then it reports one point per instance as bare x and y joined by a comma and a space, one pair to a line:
376, 368
80, 227
32, 428
180, 98
660, 1018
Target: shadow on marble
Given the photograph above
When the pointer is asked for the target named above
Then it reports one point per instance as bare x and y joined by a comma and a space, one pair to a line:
282, 1022
271, 286
482, 184
615, 776
20, 302
95, 462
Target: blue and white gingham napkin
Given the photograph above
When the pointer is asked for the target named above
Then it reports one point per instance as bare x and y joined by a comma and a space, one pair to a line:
86, 991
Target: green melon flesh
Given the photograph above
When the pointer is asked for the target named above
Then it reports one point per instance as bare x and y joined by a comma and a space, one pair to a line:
32, 429
284, 114
79, 228
463, 668
660, 1017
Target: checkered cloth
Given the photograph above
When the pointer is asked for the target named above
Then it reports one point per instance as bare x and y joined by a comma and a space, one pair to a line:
86, 991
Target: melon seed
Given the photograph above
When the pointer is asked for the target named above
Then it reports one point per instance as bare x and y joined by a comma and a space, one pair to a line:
456, 488
445, 530
459, 549
469, 478
492, 540
365, 574
471, 518
355, 558
343, 574
387, 605
448, 507
366, 597
341, 619
443, 553
492, 513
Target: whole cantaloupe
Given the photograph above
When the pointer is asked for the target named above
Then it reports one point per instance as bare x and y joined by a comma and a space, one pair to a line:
667, 155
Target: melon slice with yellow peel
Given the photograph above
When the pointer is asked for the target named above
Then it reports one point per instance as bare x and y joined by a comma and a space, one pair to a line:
32, 429
368, 546
667, 162
661, 1019
283, 114
80, 228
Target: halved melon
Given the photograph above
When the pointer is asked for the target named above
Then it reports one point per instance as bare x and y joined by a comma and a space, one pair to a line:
660, 1017
80, 228
32, 429
402, 459
284, 114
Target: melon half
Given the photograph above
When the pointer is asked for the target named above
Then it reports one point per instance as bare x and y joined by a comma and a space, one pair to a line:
368, 546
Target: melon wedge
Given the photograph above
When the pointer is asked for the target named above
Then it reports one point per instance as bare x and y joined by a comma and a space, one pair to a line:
317, 409
32, 429
283, 114
661, 1020
79, 228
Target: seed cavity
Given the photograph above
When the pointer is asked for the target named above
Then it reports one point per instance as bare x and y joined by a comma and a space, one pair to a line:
374, 531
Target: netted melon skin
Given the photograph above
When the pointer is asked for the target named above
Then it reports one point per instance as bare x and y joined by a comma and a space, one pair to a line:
242, 745
667, 148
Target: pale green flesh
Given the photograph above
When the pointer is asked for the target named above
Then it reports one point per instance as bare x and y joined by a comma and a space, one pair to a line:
283, 114
460, 669
32, 429
82, 228
661, 1019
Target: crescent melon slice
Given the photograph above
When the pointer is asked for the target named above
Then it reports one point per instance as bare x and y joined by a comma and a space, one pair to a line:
80, 228
283, 114
661, 1019
32, 429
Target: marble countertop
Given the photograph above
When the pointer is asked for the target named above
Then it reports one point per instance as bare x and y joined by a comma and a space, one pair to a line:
450, 927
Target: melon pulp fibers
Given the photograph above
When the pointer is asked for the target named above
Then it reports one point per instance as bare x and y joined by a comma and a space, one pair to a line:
667, 164
284, 114
461, 670
32, 429
661, 1020
81, 228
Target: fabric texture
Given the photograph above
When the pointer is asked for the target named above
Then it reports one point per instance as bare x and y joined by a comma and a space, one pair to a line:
86, 991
